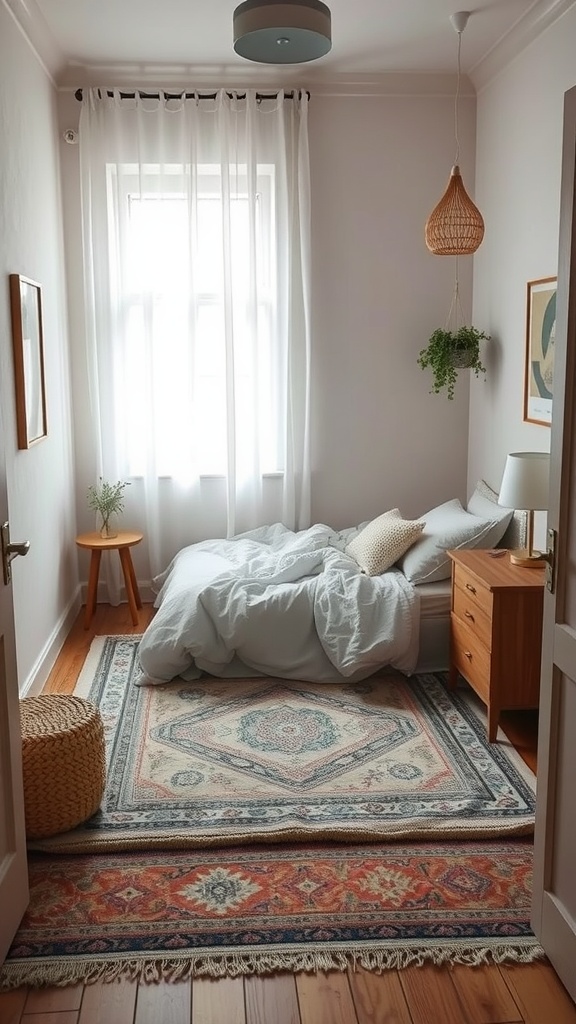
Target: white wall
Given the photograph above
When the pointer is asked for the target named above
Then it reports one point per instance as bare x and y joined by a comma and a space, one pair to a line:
519, 147
379, 165
40, 480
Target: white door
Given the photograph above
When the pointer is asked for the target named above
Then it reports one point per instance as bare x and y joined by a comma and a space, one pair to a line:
13, 865
554, 901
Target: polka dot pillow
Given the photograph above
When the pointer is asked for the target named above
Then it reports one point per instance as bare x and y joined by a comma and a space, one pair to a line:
383, 541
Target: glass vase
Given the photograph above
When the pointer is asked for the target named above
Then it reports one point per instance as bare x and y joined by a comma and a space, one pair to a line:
109, 526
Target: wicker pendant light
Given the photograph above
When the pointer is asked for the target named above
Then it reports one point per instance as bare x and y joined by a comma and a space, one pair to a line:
455, 227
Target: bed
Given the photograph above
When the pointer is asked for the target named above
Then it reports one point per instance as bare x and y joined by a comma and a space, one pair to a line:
317, 604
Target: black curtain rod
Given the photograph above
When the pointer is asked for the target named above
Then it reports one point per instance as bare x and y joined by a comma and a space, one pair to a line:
192, 95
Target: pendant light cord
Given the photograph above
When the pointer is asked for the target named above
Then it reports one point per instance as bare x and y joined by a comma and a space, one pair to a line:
455, 310
456, 99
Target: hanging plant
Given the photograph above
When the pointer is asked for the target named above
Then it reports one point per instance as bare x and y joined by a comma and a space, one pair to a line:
447, 352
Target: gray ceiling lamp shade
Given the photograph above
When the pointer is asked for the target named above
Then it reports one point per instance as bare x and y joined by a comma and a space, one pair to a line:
273, 32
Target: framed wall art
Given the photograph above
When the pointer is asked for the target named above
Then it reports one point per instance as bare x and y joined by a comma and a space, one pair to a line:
540, 336
28, 345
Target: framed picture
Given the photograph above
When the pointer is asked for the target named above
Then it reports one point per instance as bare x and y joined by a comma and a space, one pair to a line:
540, 335
28, 344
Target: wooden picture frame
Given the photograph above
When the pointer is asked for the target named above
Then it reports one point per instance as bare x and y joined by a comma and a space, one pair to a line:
28, 345
539, 362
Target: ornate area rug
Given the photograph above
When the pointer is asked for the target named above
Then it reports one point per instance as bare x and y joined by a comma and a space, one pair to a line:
227, 761
174, 914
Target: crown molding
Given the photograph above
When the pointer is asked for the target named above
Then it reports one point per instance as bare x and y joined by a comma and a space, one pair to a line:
191, 77
541, 16
31, 23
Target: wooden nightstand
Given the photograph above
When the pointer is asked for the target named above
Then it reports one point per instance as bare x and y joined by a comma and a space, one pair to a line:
496, 630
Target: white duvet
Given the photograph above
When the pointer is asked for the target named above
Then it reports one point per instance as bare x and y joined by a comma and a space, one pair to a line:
280, 603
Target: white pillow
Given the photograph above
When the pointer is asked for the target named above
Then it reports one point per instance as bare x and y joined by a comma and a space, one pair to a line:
447, 527
516, 532
484, 503
383, 541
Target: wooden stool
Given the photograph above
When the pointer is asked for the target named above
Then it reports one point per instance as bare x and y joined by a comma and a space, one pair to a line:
63, 762
122, 544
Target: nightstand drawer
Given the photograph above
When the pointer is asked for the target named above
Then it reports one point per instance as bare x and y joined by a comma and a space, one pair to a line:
470, 657
473, 615
478, 594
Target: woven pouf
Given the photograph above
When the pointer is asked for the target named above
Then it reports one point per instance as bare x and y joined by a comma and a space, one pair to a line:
63, 757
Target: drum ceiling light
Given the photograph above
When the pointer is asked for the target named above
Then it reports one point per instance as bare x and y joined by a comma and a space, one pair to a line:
455, 227
273, 32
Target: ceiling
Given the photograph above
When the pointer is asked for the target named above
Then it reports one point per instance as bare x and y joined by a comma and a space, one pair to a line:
79, 40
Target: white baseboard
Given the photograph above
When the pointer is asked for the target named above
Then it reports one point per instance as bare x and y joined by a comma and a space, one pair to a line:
47, 657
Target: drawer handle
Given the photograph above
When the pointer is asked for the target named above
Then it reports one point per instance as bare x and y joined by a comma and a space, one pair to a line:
470, 588
468, 615
467, 654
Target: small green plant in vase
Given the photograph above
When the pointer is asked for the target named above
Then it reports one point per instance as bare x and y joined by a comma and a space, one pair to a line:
107, 500
449, 351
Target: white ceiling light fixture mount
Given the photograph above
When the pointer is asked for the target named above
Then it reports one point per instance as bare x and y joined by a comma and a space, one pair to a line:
455, 227
276, 32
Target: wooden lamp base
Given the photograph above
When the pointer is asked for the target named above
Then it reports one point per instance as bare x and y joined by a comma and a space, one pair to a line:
528, 559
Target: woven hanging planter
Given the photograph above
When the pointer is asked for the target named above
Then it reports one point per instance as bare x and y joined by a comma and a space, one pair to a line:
455, 227
462, 358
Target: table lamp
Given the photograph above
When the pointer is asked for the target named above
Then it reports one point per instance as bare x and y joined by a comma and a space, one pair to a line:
525, 486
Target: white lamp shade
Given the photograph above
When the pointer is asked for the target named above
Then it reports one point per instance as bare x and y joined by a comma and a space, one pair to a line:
525, 481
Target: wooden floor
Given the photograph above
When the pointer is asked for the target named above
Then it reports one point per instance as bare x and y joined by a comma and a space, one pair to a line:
524, 994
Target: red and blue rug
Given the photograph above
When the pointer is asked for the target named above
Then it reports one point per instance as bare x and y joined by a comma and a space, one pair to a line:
297, 907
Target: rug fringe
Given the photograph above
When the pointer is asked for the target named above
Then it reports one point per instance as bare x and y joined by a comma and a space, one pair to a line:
61, 972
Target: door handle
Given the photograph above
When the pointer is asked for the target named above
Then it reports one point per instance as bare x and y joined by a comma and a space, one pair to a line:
10, 550
550, 557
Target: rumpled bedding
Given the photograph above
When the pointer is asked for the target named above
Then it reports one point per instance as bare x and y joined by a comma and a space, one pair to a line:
280, 603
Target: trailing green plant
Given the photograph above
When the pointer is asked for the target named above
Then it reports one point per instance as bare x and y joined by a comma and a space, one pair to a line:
107, 499
444, 352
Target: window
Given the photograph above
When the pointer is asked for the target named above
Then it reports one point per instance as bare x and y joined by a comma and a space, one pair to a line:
195, 318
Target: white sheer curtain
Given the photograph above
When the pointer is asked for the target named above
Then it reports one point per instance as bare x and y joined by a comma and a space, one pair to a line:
196, 244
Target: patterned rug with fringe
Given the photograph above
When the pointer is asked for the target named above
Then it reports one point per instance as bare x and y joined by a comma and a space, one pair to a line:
226, 761
174, 914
